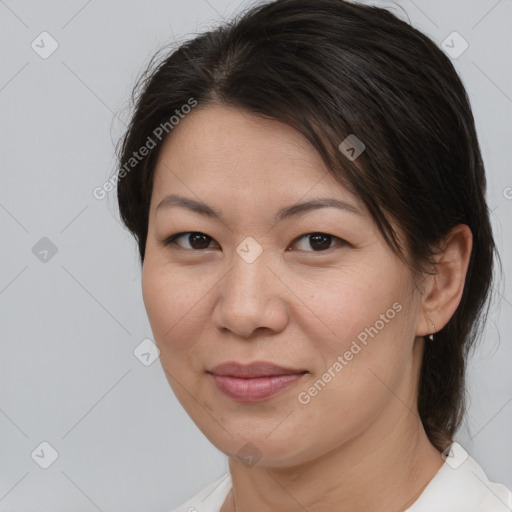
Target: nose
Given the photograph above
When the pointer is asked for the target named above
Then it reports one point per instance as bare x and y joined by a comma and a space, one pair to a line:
250, 298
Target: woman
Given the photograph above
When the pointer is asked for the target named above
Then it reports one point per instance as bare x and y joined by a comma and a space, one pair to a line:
308, 196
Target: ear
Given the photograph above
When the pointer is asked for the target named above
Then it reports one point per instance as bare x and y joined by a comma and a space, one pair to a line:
443, 290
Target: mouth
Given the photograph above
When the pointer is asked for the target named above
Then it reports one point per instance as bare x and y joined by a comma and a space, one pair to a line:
254, 382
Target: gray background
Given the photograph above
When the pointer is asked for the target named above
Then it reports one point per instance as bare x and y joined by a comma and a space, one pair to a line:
70, 323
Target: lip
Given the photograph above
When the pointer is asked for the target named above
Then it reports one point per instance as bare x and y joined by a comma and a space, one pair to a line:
252, 370
253, 382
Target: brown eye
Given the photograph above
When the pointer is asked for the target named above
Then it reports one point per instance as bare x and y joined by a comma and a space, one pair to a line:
318, 242
195, 239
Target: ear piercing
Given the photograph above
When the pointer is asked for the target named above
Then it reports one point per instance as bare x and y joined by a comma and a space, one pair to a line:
431, 335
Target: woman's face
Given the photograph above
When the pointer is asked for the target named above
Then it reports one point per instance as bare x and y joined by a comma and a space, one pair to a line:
251, 285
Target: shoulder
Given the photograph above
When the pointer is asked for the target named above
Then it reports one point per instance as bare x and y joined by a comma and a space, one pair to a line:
208, 499
461, 485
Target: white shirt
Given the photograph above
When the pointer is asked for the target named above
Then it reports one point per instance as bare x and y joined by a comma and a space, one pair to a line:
460, 485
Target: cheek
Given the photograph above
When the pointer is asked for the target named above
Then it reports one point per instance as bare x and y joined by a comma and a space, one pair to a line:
356, 383
175, 308
174, 303
369, 341
348, 306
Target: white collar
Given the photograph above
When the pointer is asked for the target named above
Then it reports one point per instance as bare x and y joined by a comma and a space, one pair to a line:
460, 485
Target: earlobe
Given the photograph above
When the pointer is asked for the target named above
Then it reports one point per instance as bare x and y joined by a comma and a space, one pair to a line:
444, 290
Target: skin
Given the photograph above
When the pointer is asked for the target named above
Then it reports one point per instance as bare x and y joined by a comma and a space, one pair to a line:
358, 444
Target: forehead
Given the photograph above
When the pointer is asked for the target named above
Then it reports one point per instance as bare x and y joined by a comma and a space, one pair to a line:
233, 150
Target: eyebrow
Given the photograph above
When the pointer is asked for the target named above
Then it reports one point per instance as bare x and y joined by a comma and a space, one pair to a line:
283, 213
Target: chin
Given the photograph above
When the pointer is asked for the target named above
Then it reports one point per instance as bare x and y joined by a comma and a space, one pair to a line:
260, 450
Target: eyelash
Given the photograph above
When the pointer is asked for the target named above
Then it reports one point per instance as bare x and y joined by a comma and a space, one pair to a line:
171, 240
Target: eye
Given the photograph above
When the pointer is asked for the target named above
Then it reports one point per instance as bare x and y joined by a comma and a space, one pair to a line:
319, 241
195, 239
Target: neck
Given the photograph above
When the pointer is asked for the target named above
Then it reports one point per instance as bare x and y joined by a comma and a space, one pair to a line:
389, 474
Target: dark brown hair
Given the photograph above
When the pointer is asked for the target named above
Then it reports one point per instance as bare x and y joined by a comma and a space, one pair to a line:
330, 68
